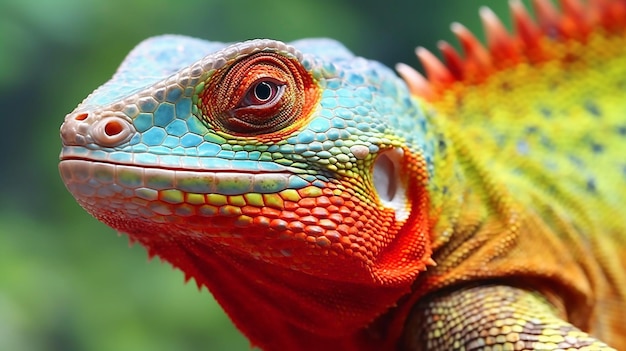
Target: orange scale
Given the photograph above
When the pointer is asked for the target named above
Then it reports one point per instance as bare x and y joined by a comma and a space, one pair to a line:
229, 210
332, 209
363, 219
350, 203
291, 206
361, 238
303, 212
271, 212
375, 215
336, 248
261, 221
379, 238
346, 195
369, 242
323, 241
330, 191
300, 236
320, 212
358, 209
332, 235
314, 230
343, 229
251, 210
308, 202
309, 220
288, 215
336, 200
279, 224
356, 216
322, 201
365, 250
327, 224
243, 221
336, 217
348, 220
355, 247
345, 240
296, 226
345, 210
353, 230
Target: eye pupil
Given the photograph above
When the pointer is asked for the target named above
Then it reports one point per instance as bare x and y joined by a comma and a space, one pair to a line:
262, 94
263, 91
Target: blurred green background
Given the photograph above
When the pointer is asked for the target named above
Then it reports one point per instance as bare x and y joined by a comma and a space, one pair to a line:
67, 282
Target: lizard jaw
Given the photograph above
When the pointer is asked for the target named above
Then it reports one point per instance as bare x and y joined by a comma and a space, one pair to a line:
75, 171
149, 194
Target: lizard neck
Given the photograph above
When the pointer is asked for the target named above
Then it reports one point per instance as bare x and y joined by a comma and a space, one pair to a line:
270, 284
269, 300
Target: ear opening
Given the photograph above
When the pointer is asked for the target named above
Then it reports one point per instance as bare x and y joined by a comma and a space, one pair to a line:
388, 181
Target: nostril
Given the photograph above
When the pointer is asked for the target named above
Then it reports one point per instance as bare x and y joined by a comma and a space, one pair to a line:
111, 131
113, 128
74, 129
81, 117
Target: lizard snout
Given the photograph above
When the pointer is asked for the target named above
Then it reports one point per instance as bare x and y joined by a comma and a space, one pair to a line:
81, 128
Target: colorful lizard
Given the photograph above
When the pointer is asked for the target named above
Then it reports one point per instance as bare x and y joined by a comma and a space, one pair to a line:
329, 205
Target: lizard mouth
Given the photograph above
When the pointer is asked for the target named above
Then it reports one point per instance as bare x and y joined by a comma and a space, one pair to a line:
91, 179
86, 177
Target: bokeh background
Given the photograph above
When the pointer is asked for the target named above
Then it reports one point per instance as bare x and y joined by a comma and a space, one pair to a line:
67, 282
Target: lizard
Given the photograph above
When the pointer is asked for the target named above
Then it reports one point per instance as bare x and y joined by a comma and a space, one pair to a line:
329, 203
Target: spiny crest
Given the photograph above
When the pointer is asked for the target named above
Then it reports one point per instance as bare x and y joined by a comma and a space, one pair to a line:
574, 21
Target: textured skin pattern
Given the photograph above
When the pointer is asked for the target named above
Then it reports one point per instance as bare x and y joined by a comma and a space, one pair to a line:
204, 197
493, 318
327, 204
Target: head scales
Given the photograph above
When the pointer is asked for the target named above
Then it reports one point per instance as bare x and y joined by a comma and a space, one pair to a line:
288, 242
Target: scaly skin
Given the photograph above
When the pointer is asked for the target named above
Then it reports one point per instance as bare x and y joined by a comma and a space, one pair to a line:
327, 204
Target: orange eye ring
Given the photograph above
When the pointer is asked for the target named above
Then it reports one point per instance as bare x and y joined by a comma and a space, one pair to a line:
259, 94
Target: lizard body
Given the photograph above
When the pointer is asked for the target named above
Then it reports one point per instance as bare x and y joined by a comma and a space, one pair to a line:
328, 204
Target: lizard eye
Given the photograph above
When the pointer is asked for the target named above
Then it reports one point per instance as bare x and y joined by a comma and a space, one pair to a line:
259, 94
263, 93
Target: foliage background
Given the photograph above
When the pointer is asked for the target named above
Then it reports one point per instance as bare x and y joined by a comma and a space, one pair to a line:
66, 281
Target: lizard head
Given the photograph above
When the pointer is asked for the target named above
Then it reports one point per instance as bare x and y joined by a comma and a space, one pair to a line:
288, 179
